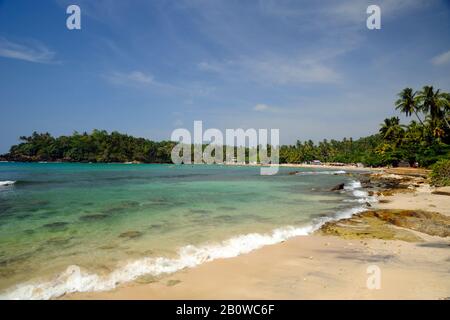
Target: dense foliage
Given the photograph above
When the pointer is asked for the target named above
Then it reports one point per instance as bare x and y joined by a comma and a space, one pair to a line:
440, 176
422, 142
99, 146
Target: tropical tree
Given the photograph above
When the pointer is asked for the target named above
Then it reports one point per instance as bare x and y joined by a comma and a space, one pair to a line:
407, 103
391, 129
433, 103
446, 108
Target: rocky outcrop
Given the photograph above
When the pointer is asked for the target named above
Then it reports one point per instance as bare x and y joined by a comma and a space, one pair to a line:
389, 225
443, 191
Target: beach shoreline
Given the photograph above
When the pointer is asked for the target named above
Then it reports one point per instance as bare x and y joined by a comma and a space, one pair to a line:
319, 266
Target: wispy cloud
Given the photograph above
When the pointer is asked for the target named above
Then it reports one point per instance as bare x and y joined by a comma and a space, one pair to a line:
282, 71
145, 80
133, 78
278, 70
207, 66
441, 59
262, 107
32, 51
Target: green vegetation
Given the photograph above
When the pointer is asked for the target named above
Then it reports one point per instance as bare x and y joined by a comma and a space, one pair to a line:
422, 142
99, 146
440, 176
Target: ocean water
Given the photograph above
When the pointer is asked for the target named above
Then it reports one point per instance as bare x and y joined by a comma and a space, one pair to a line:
86, 227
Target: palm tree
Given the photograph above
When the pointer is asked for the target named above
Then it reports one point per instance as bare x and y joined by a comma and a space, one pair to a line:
391, 129
434, 103
407, 103
446, 108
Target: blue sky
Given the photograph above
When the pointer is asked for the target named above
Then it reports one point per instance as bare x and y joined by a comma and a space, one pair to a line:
310, 68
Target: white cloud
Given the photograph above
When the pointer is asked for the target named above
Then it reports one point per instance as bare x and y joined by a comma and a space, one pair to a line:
33, 51
207, 66
140, 77
278, 70
284, 71
131, 78
144, 80
261, 107
441, 59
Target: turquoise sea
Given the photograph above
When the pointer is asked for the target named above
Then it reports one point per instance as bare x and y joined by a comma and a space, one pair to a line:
82, 227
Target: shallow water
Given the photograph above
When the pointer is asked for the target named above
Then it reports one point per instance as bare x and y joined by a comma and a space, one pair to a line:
102, 217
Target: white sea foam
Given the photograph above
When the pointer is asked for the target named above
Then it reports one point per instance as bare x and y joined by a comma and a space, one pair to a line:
6, 183
74, 279
320, 172
361, 196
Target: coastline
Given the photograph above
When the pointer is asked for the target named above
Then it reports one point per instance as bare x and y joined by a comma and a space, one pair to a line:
318, 266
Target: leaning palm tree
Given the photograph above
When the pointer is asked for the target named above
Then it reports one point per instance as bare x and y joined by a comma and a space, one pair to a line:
407, 103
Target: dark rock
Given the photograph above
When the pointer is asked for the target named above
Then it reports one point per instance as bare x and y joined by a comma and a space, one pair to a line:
55, 225
130, 234
93, 217
338, 187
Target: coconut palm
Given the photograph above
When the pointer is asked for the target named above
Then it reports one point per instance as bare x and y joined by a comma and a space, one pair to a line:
407, 103
391, 129
446, 108
433, 103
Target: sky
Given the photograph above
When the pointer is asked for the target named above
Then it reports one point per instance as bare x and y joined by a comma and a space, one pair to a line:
311, 69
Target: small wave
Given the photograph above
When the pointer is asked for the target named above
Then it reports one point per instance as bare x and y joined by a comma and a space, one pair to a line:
361, 196
74, 279
6, 183
320, 172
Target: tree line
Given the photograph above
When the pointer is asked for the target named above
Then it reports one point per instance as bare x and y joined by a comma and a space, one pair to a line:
423, 141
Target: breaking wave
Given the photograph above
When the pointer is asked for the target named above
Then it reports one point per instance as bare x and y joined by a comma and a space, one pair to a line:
6, 183
75, 279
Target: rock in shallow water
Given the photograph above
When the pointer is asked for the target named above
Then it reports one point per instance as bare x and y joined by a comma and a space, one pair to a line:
93, 217
130, 234
338, 187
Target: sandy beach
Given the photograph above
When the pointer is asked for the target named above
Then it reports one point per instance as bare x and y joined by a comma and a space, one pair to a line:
320, 266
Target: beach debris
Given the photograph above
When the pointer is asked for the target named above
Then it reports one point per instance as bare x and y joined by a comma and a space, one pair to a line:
146, 279
173, 282
442, 191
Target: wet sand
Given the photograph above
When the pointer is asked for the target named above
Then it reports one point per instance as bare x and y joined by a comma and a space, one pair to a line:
316, 267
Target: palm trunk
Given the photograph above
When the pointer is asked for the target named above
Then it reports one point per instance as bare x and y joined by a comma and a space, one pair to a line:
446, 121
418, 117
